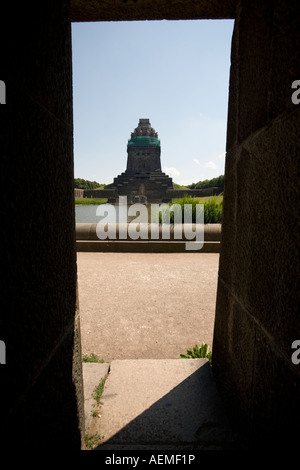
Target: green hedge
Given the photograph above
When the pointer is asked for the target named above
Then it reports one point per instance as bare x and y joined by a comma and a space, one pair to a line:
213, 209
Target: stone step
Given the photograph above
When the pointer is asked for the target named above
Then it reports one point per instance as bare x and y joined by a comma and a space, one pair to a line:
158, 404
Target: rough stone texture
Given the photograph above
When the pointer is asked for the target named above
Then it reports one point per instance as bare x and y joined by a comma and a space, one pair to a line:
146, 158
95, 10
42, 406
258, 290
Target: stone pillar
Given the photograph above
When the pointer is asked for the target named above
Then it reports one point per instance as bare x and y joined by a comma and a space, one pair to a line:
41, 382
257, 316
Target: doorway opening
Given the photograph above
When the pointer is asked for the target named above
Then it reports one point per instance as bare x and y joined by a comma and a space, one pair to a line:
176, 73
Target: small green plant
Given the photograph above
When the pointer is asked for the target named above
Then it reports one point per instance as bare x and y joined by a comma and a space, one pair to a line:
91, 358
97, 394
98, 391
92, 440
195, 352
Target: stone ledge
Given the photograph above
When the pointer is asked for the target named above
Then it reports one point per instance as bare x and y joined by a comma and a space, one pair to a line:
143, 246
87, 231
87, 241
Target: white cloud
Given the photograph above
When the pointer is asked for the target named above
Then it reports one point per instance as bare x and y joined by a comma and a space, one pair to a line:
171, 171
223, 155
211, 165
196, 161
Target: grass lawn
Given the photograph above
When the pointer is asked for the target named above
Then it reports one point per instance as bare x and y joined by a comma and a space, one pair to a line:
91, 200
202, 200
85, 201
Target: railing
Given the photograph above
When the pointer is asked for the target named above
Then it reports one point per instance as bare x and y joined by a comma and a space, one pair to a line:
167, 239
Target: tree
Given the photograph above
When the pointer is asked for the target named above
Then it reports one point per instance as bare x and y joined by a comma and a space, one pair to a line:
217, 182
80, 183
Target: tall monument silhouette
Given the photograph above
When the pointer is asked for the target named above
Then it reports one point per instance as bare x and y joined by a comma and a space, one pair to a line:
143, 180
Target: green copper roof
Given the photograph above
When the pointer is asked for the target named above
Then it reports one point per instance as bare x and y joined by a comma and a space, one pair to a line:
143, 141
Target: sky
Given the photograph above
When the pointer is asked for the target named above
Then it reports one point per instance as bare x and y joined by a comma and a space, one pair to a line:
175, 73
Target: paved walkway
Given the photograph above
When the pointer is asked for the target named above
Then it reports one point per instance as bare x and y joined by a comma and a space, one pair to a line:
156, 404
146, 305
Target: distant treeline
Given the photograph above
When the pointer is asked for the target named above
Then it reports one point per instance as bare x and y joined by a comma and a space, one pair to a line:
217, 182
80, 183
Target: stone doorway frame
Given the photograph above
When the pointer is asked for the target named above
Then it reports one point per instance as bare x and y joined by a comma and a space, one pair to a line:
260, 126
257, 299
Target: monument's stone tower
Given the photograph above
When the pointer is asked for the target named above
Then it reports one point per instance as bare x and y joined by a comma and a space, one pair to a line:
143, 180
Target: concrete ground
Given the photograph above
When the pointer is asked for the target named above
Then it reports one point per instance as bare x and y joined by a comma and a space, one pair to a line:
139, 311
146, 305
160, 404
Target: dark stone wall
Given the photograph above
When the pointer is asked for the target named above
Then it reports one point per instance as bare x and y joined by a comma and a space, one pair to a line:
179, 193
41, 406
258, 290
78, 192
143, 158
106, 10
152, 190
110, 194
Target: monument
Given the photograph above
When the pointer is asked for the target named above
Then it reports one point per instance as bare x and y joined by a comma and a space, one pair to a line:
143, 180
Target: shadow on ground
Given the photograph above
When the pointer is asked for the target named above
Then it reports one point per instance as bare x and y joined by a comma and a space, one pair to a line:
189, 416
